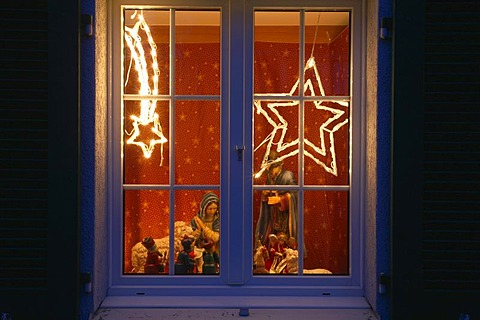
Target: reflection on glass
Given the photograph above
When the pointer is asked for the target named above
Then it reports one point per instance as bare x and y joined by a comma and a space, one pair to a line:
197, 232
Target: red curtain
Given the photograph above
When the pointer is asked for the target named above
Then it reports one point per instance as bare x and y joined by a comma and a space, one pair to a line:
197, 141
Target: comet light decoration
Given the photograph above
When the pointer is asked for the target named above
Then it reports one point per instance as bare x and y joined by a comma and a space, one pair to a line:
147, 118
326, 130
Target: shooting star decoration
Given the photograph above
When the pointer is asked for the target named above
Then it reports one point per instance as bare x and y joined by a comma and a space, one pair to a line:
148, 118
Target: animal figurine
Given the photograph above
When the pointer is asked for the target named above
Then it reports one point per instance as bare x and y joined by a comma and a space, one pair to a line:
261, 255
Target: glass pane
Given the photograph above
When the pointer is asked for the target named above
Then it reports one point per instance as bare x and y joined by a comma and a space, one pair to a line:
146, 147
276, 52
197, 52
146, 54
275, 128
275, 221
317, 130
197, 142
158, 128
326, 232
326, 143
146, 240
327, 52
197, 232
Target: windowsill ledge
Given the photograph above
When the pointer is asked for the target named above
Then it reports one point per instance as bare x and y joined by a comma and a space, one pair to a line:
217, 314
221, 307
226, 302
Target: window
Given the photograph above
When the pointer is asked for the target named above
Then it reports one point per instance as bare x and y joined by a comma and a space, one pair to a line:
171, 134
301, 139
236, 139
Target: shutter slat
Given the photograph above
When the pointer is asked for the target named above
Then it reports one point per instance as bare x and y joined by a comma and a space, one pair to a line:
451, 220
24, 144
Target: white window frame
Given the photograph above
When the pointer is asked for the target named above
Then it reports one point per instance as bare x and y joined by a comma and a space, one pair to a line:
240, 280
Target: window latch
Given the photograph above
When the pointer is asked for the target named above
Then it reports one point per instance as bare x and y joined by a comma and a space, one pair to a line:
239, 152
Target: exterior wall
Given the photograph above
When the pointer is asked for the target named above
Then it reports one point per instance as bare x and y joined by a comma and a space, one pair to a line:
378, 127
94, 124
371, 154
383, 225
94, 106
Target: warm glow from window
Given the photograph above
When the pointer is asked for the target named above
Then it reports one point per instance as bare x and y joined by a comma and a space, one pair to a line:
147, 118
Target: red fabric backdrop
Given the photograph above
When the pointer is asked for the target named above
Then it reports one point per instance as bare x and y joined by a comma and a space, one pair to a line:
197, 138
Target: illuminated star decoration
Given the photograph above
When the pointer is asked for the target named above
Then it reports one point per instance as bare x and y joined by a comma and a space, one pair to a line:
280, 127
147, 117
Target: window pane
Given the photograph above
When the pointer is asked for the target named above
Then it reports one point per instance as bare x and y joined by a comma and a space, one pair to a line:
197, 218
304, 140
275, 222
327, 43
326, 232
146, 216
197, 52
275, 129
276, 52
170, 141
146, 149
146, 54
326, 143
197, 142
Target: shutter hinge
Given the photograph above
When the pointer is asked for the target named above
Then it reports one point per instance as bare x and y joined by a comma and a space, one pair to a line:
86, 24
386, 28
86, 281
383, 283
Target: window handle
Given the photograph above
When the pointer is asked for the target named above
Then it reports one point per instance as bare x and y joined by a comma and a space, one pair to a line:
239, 152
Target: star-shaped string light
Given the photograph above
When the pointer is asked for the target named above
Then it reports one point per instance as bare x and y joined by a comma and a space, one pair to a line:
276, 138
148, 117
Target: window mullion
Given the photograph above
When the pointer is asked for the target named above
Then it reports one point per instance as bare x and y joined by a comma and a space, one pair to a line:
301, 115
171, 260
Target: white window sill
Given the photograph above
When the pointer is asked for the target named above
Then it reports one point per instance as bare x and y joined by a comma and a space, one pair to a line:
221, 307
217, 314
